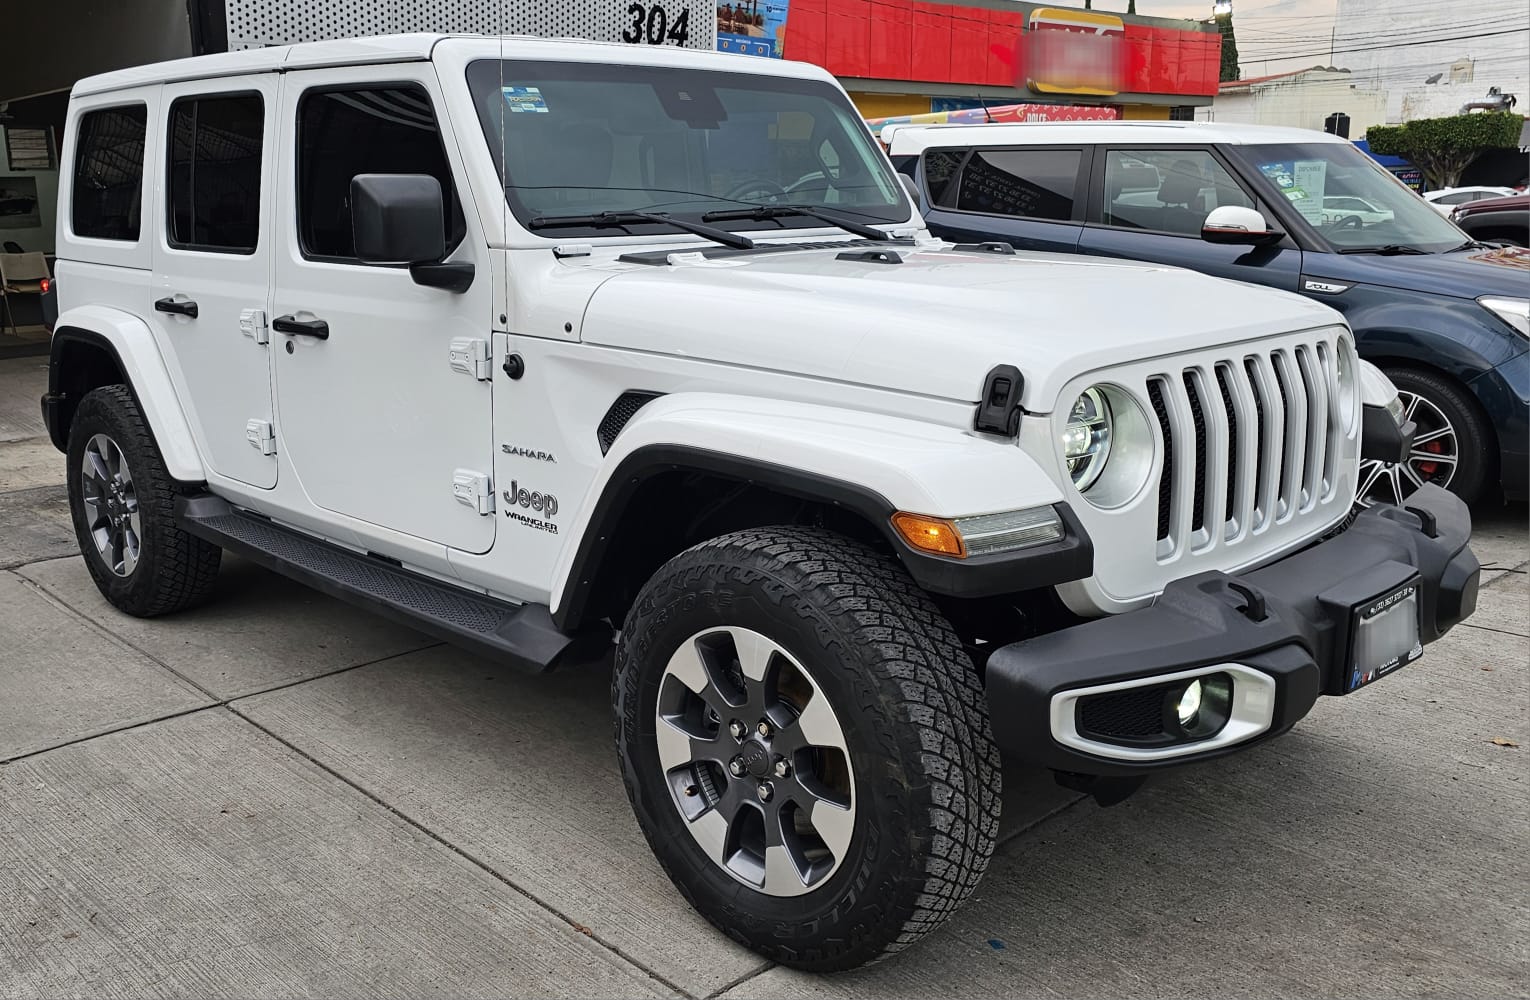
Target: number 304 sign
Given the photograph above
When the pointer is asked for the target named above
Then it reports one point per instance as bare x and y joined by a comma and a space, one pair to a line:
690, 24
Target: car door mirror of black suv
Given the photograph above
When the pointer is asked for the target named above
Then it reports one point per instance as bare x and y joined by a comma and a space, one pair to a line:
1238, 226
400, 219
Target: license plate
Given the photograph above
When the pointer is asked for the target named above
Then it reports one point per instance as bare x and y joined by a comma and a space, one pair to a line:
1384, 636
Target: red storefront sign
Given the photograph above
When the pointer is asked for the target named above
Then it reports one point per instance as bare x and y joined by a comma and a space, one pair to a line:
943, 43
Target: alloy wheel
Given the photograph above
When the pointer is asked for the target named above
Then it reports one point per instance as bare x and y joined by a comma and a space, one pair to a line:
111, 505
756, 761
1433, 459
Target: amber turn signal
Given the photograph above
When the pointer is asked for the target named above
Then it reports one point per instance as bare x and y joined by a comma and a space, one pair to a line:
930, 534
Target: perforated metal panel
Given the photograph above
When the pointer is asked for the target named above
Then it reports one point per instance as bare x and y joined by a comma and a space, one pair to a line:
254, 24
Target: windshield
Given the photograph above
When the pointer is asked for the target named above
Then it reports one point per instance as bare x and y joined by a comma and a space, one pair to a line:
580, 139
1349, 199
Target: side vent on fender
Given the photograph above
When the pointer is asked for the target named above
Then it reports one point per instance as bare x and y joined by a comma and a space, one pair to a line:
621, 411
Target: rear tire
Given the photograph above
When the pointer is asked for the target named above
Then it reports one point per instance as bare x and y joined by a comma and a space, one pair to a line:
122, 500
913, 805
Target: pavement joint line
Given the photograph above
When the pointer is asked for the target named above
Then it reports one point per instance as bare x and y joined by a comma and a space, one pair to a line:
125, 727
741, 980
1489, 628
1033, 824
217, 699
468, 857
227, 703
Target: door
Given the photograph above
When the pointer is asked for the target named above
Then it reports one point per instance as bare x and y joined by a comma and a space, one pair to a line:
1150, 204
212, 266
373, 418
1026, 197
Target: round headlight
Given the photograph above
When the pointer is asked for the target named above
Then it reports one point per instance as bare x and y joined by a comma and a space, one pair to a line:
1086, 437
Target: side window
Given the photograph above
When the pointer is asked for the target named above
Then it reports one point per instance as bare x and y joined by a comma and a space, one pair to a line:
940, 167
1029, 183
364, 130
1459, 198
214, 172
1166, 190
108, 173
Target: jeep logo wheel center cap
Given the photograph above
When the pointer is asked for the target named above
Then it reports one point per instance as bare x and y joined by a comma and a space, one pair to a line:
756, 759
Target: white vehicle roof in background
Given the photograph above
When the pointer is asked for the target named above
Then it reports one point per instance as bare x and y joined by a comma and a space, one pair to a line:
911, 140
423, 47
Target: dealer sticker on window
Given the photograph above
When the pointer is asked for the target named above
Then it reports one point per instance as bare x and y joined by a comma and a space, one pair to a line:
524, 99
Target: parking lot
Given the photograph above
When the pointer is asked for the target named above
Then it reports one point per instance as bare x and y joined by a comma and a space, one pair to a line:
277, 795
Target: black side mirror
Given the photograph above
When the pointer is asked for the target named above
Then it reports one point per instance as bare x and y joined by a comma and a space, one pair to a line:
400, 219
397, 218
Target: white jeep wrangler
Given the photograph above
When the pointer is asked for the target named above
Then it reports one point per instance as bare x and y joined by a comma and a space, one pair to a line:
539, 344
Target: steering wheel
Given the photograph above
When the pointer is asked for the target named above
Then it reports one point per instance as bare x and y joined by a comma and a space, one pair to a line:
1348, 222
756, 186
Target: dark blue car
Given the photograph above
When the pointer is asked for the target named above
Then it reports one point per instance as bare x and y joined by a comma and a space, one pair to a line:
1446, 317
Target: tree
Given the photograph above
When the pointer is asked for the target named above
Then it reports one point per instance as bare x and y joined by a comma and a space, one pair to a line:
1444, 147
1229, 49
1131, 6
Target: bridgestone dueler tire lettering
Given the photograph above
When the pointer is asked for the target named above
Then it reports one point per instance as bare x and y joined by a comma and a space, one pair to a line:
927, 773
175, 570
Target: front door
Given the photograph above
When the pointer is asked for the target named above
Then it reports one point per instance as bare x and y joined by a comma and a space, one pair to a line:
212, 266
1150, 204
373, 417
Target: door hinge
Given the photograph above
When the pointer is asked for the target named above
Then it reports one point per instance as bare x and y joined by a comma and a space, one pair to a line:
252, 323
474, 489
261, 435
470, 356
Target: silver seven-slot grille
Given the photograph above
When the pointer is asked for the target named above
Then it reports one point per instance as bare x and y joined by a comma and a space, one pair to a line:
1249, 441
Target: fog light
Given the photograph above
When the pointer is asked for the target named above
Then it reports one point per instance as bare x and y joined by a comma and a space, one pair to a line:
1189, 704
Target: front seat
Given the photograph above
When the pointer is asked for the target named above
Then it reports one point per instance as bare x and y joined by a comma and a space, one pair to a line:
1180, 194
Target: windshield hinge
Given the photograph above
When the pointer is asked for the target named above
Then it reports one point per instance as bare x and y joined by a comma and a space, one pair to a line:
998, 409
473, 489
470, 356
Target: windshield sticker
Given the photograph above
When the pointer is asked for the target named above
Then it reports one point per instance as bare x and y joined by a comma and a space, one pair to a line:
525, 99
1309, 177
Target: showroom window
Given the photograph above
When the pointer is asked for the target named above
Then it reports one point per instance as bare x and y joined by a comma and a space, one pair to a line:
107, 200
1026, 183
1167, 190
214, 181
364, 130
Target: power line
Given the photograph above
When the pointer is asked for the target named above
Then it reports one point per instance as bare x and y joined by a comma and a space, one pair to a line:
1393, 45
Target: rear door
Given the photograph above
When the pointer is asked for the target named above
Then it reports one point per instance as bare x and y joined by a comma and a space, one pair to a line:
212, 266
1150, 204
1029, 196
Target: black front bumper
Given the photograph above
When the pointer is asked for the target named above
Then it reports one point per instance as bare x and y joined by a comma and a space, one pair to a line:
1286, 621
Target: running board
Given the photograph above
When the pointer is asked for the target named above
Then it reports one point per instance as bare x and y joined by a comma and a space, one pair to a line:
524, 634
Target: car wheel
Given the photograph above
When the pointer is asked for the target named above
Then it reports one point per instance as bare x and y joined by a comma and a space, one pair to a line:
122, 502
1452, 448
806, 745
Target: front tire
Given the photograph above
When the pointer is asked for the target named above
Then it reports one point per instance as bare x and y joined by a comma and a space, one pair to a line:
1454, 447
122, 501
806, 745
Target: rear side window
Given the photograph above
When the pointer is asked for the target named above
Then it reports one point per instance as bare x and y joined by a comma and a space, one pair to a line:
367, 130
214, 181
1026, 183
107, 199
940, 166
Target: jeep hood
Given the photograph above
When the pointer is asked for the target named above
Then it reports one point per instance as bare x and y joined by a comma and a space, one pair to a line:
936, 323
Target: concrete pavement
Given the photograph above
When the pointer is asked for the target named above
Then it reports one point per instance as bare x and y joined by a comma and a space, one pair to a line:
276, 795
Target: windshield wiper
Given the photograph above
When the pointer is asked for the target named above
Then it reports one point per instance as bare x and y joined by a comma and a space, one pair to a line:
760, 213
712, 233
1390, 250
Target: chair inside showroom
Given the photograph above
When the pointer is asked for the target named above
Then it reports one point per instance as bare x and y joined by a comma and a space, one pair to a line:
21, 274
